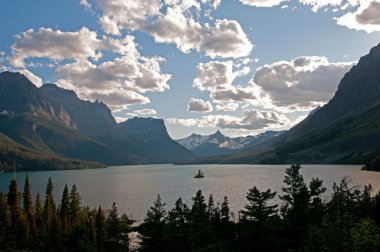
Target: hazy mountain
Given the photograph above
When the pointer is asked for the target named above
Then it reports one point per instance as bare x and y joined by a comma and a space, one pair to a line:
218, 144
345, 130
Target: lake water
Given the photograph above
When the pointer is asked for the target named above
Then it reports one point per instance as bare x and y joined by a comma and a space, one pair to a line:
134, 188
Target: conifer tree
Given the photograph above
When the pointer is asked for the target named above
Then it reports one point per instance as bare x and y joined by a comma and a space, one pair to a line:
65, 209
75, 206
5, 223
153, 228
225, 212
258, 209
28, 210
49, 205
101, 231
17, 217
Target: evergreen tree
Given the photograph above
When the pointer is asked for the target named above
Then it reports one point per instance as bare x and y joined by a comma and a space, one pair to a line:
49, 205
17, 218
225, 212
153, 228
5, 223
177, 232
258, 209
257, 217
28, 210
113, 221
299, 202
65, 209
101, 231
74, 206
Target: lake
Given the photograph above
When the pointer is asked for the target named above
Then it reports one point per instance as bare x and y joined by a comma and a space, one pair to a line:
134, 188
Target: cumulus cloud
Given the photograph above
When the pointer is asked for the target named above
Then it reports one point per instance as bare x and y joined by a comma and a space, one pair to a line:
55, 45
217, 77
252, 120
262, 3
32, 77
119, 14
176, 22
199, 105
366, 17
300, 84
119, 82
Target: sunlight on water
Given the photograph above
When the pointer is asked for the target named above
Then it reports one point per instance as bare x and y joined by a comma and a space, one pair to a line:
134, 188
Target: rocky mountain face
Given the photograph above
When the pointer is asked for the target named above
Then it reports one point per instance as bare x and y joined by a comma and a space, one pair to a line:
218, 144
345, 130
19, 95
55, 122
91, 118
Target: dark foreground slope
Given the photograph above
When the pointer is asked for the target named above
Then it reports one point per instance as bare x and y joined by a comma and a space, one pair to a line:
14, 156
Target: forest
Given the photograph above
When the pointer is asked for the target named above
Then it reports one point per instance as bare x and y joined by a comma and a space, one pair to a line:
348, 221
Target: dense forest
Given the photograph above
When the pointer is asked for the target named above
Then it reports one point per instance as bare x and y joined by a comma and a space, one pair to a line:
349, 221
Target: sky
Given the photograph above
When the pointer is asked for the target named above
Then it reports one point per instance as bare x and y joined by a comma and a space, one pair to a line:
239, 66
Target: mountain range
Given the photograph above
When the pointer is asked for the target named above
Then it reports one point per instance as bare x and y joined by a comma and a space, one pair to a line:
54, 122
219, 144
345, 130
51, 128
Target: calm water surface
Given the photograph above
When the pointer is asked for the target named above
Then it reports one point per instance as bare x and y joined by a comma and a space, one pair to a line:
134, 188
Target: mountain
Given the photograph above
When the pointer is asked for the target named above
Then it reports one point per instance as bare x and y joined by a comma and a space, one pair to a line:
154, 140
345, 130
218, 144
19, 95
54, 122
144, 138
90, 118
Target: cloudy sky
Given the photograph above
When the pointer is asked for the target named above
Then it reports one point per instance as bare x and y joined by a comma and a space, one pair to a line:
241, 66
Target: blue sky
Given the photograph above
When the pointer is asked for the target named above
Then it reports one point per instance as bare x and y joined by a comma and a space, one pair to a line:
241, 66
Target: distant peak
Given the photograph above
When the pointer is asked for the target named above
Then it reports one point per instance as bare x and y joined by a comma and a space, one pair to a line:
218, 133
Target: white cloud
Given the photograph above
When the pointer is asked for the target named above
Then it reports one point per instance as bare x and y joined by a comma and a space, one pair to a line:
143, 112
366, 17
177, 22
300, 84
252, 120
55, 45
85, 4
199, 105
262, 3
318, 4
231, 106
120, 14
217, 77
119, 82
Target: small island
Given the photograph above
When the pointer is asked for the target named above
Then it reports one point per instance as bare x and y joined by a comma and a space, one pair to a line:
199, 175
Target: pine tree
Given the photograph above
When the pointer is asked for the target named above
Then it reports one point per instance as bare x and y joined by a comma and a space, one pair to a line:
153, 229
225, 212
17, 218
5, 223
65, 209
113, 221
49, 206
258, 209
101, 231
199, 209
178, 231
28, 210
75, 206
